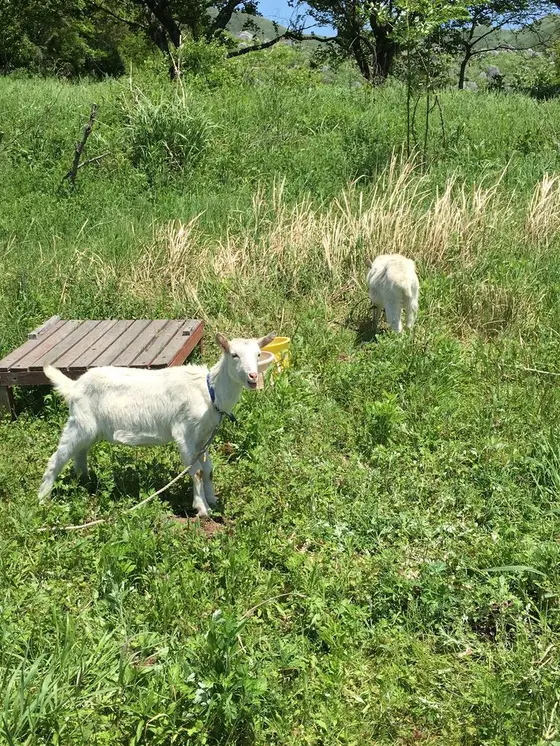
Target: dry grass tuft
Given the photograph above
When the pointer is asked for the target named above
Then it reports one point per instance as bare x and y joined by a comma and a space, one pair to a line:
173, 264
302, 247
543, 216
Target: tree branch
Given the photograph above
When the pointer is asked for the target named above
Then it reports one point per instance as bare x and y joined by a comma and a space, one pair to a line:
497, 26
256, 47
160, 11
93, 160
224, 15
130, 24
506, 48
71, 175
368, 44
471, 32
288, 35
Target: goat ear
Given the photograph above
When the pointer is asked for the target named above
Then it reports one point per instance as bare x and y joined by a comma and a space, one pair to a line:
264, 341
222, 341
369, 262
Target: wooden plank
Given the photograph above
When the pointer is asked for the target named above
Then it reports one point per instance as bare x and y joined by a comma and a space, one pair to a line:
88, 358
189, 344
22, 378
173, 347
44, 326
189, 326
132, 331
33, 377
42, 349
96, 330
151, 330
65, 345
154, 343
145, 358
31, 344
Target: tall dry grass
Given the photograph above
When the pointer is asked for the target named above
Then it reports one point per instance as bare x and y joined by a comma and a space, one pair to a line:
543, 215
446, 228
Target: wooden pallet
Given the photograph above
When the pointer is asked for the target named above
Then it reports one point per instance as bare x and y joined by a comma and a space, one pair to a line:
76, 346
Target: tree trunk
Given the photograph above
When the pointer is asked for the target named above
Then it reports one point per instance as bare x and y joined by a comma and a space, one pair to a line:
463, 69
159, 37
384, 47
168, 25
385, 51
361, 58
224, 15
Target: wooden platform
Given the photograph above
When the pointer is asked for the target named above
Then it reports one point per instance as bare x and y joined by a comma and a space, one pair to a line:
76, 346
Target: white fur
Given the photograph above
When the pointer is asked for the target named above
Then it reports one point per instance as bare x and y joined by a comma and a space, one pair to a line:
153, 407
393, 285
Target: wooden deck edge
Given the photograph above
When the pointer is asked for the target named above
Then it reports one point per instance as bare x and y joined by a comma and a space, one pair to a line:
44, 326
190, 343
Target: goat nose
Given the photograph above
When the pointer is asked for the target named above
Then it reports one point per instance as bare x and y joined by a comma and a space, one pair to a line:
252, 376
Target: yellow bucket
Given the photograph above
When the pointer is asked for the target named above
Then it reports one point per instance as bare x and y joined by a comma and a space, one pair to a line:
280, 348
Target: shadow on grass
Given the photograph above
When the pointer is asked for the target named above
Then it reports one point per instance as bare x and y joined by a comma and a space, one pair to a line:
31, 399
360, 321
127, 482
178, 497
365, 333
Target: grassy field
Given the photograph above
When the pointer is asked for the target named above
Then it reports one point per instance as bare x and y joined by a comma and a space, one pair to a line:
389, 569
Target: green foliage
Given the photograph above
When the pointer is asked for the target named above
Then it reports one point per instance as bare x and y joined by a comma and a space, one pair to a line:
72, 38
204, 60
556, 58
232, 689
167, 135
380, 420
373, 34
540, 80
283, 67
59, 37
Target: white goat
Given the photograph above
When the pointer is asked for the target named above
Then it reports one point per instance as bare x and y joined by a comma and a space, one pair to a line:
184, 404
393, 285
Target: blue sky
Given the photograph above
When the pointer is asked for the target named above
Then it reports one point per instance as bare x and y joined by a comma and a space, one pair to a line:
279, 10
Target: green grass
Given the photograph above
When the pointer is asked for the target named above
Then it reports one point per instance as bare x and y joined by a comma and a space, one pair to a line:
390, 569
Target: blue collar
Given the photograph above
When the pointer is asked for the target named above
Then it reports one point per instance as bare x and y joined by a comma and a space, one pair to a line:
212, 393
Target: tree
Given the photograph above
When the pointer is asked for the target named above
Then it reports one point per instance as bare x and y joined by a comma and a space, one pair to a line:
166, 21
365, 32
57, 35
373, 33
476, 34
83, 35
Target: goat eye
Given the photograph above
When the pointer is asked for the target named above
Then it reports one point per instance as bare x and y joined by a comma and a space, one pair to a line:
234, 354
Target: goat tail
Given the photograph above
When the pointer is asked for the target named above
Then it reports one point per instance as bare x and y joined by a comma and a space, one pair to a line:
61, 383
